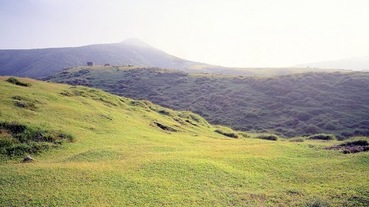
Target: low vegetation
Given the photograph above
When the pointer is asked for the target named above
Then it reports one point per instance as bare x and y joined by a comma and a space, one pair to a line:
119, 157
18, 139
271, 137
227, 134
289, 106
17, 82
352, 146
322, 137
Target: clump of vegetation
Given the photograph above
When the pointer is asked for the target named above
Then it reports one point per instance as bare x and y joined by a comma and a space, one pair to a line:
227, 134
271, 137
17, 82
326, 137
317, 202
353, 146
24, 102
297, 140
244, 134
164, 127
18, 139
164, 112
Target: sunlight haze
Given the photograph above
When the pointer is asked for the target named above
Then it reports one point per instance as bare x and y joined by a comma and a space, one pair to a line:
239, 33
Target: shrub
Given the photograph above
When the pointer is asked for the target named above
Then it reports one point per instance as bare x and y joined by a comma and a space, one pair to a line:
18, 149
164, 112
244, 134
228, 134
297, 140
17, 82
355, 143
317, 202
271, 137
26, 140
164, 127
322, 137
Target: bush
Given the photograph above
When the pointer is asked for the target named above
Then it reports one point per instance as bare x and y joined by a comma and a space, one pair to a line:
322, 137
244, 134
271, 137
228, 134
17, 82
297, 140
355, 143
18, 149
26, 140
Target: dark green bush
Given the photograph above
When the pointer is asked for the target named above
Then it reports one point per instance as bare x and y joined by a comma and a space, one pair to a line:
271, 137
18, 149
27, 140
164, 112
355, 143
322, 137
228, 134
17, 82
297, 140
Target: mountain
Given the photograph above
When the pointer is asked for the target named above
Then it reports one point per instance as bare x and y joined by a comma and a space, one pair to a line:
125, 152
38, 63
291, 105
356, 63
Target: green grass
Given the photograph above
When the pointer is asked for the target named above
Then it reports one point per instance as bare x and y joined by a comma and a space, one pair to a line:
121, 158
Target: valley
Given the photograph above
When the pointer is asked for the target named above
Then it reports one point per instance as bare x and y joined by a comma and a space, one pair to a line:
291, 105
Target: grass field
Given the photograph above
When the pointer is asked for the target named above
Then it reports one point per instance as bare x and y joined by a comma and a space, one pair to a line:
120, 156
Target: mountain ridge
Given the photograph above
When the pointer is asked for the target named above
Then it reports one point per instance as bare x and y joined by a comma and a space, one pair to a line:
353, 63
37, 63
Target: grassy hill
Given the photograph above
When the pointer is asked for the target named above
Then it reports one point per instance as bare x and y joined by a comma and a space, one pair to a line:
291, 105
121, 156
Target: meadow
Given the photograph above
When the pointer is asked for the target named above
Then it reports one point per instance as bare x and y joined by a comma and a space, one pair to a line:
126, 152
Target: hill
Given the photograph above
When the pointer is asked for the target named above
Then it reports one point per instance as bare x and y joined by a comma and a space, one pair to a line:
355, 63
38, 63
121, 156
291, 105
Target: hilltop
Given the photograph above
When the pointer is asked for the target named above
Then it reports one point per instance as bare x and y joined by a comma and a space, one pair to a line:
290, 105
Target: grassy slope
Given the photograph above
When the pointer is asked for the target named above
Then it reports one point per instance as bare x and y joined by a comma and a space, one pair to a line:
301, 104
121, 159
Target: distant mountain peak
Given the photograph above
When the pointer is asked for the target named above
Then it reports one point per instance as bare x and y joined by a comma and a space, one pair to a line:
136, 42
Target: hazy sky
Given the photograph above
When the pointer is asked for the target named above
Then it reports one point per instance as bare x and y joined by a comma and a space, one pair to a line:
244, 33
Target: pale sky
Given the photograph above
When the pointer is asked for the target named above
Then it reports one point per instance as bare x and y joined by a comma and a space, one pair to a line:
241, 33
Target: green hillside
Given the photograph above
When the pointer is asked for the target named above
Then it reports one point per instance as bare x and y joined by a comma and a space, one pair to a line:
133, 153
291, 105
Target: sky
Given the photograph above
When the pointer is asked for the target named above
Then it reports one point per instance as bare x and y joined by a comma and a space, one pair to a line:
237, 33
